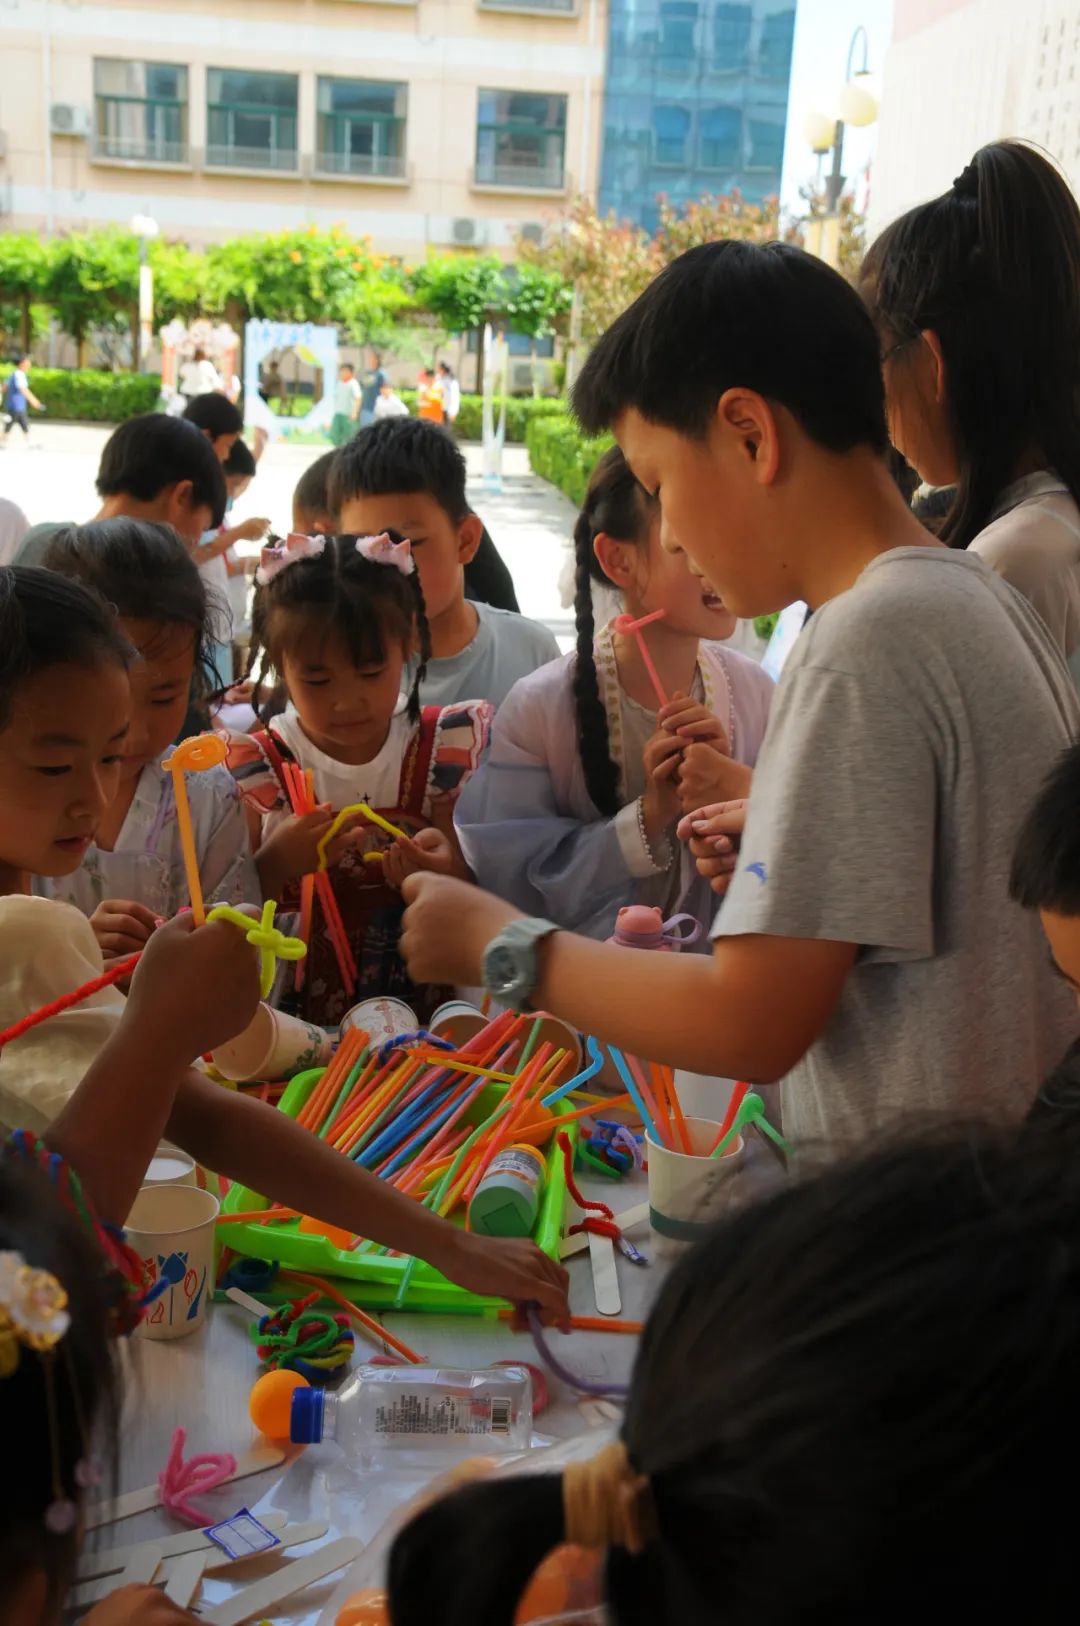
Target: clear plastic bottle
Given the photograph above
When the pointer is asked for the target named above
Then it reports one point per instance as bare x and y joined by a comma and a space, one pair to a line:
419, 1409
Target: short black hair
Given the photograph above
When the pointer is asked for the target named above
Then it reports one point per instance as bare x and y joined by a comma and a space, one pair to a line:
240, 461
400, 454
153, 451
767, 317
215, 414
143, 572
46, 620
312, 493
1046, 862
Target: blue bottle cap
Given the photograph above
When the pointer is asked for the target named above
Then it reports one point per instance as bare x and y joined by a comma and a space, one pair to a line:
306, 1419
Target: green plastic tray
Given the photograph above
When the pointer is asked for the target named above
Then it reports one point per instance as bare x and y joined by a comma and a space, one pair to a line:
372, 1280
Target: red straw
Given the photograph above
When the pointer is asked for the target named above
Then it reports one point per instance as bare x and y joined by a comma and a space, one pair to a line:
628, 627
737, 1096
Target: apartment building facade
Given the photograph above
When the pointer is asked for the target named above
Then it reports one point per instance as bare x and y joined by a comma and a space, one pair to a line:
443, 123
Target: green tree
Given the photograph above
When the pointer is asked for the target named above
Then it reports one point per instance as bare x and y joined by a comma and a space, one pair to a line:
538, 304
24, 271
852, 237
462, 292
305, 276
179, 281
93, 281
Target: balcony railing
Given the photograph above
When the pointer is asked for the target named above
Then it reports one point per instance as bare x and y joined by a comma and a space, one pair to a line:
521, 176
274, 130
374, 166
140, 130
223, 155
562, 8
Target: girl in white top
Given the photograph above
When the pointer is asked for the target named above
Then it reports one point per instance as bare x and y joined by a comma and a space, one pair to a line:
976, 296
132, 873
573, 813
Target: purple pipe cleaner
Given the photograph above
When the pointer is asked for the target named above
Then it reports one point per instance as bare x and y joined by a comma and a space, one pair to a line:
585, 1386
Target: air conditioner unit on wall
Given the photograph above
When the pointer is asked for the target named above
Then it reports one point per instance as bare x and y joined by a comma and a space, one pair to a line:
521, 375
467, 232
67, 119
532, 232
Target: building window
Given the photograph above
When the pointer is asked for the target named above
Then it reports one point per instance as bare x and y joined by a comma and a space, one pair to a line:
671, 135
766, 145
521, 139
251, 119
678, 23
361, 127
565, 8
774, 54
140, 111
720, 138
731, 37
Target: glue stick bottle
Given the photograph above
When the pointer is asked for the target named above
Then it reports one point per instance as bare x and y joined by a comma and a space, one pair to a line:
507, 1200
422, 1410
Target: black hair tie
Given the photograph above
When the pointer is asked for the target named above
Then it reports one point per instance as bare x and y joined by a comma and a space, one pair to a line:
966, 184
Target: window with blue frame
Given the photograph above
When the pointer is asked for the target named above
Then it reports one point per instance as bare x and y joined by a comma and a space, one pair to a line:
251, 119
731, 37
671, 136
521, 139
720, 138
777, 38
140, 111
678, 25
766, 144
361, 128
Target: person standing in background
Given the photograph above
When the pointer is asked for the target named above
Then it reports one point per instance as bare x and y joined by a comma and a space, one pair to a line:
375, 376
199, 376
451, 392
347, 398
390, 404
430, 400
18, 396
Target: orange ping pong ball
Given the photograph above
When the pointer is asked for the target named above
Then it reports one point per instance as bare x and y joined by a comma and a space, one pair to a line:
270, 1403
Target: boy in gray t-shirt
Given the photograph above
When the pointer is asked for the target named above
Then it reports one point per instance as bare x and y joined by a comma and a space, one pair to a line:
867, 953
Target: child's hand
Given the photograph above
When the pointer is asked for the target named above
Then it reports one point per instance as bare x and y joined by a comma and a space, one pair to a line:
690, 720
292, 848
705, 776
430, 849
507, 1268
252, 530
713, 835
136, 1606
193, 989
660, 799
122, 927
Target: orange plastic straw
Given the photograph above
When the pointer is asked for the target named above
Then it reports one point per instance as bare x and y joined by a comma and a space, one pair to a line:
259, 1215
656, 1111
737, 1096
360, 1316
672, 1093
589, 1323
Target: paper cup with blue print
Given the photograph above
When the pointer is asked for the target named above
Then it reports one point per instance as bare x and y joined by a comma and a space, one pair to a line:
274, 1045
171, 1228
689, 1192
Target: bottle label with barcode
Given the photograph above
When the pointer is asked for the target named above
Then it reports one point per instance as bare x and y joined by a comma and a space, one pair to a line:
424, 1416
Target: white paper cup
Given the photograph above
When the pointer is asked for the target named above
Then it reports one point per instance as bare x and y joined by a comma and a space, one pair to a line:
170, 1167
701, 1095
457, 1021
274, 1045
381, 1019
560, 1036
688, 1193
171, 1228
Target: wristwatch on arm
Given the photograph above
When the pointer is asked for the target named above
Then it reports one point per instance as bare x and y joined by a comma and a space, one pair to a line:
510, 965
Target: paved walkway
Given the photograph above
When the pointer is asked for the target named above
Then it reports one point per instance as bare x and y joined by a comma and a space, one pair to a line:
53, 478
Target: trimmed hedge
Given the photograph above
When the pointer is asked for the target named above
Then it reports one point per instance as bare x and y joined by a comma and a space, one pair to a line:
88, 396
559, 452
521, 411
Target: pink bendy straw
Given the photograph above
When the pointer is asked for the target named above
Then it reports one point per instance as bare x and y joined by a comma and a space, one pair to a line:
625, 625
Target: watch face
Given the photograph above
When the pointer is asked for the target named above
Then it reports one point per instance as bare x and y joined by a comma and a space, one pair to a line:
502, 969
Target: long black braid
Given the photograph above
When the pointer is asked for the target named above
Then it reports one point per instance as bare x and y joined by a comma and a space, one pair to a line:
616, 504
367, 604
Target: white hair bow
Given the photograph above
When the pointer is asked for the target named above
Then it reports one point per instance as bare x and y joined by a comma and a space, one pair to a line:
381, 551
277, 555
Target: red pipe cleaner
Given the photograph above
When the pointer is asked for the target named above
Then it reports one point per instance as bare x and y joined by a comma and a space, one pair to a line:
117, 973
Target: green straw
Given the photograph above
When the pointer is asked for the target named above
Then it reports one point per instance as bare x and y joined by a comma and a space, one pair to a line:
530, 1045
343, 1093
752, 1112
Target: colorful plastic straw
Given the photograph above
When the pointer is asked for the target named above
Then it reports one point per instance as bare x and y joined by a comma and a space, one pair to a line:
192, 756
635, 1094
627, 627
738, 1095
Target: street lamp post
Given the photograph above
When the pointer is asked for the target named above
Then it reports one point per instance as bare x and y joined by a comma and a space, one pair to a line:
145, 228
856, 105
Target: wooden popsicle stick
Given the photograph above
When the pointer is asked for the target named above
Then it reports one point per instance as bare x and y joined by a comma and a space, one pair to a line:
186, 1578
267, 1593
211, 1556
256, 1461
293, 1535
570, 1245
142, 1568
605, 1276
109, 1561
